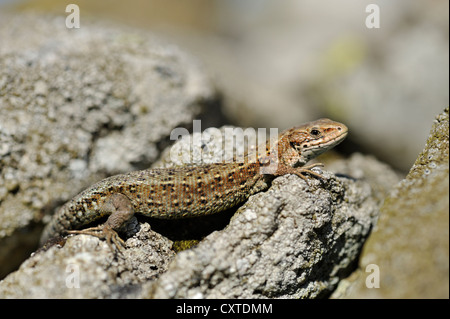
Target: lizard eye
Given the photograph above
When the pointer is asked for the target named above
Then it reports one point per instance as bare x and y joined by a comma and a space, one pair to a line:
315, 132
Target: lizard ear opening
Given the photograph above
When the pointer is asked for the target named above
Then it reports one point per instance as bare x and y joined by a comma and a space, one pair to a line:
296, 140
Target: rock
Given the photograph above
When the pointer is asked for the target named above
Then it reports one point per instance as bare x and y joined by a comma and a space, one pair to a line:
410, 244
79, 105
291, 241
86, 268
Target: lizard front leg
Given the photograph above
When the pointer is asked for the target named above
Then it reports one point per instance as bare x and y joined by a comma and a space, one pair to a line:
299, 171
120, 210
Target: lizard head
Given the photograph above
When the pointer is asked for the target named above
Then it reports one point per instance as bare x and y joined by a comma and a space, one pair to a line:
300, 144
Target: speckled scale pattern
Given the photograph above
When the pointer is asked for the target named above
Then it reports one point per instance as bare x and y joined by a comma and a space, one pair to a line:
164, 193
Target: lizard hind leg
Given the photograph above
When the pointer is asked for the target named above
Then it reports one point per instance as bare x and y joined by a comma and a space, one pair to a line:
120, 210
103, 232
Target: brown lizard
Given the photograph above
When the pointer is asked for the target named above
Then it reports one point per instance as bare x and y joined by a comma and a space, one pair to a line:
193, 190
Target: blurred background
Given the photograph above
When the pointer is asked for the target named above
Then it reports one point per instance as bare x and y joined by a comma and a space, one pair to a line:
282, 63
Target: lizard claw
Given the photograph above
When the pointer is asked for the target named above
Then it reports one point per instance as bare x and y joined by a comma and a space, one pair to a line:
307, 169
115, 243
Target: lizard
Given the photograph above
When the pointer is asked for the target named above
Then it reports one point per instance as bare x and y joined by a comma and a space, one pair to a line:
190, 191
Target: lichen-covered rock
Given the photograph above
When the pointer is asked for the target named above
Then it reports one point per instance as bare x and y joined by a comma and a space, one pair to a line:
411, 242
78, 105
86, 268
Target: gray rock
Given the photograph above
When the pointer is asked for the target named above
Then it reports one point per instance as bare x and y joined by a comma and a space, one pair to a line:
292, 241
410, 244
86, 268
76, 106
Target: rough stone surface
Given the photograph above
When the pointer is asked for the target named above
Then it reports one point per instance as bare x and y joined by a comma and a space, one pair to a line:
289, 242
76, 106
86, 268
410, 244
